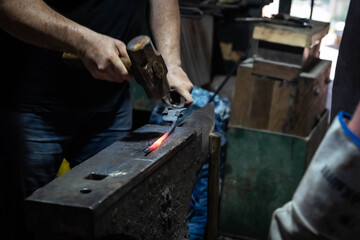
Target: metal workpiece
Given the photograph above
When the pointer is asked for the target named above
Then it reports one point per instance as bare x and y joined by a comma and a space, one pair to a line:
119, 192
173, 114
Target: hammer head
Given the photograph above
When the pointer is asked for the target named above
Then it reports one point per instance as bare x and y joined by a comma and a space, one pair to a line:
148, 67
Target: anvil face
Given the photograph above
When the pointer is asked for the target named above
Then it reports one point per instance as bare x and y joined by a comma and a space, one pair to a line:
105, 173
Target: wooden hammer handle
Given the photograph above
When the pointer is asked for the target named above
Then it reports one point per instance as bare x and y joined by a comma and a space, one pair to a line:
127, 63
73, 60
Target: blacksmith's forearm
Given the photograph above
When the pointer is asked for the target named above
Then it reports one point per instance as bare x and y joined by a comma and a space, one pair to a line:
165, 26
34, 22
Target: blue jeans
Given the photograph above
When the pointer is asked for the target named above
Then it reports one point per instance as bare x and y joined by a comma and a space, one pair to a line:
33, 145
47, 138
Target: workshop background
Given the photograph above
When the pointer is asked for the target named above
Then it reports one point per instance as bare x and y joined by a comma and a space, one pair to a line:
279, 94
280, 97
270, 81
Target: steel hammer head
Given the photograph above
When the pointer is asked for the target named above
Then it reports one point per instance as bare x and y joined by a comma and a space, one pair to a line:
148, 67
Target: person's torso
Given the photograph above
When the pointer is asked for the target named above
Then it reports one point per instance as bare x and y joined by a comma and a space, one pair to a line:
38, 79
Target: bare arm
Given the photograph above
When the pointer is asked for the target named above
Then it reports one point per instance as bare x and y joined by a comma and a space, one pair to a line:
34, 22
165, 25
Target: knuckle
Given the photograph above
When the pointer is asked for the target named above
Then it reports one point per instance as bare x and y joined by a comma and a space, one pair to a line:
121, 44
101, 68
104, 65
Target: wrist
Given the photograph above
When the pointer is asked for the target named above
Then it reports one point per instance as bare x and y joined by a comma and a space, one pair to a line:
173, 65
80, 38
171, 59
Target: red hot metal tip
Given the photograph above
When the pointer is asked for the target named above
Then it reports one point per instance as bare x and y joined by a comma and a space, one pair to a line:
157, 143
160, 140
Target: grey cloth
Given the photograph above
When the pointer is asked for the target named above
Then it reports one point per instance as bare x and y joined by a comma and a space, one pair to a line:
326, 204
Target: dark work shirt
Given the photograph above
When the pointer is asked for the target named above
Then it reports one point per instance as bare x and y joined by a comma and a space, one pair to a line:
36, 79
346, 88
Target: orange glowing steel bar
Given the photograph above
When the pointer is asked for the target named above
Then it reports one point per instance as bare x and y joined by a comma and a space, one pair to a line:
160, 140
157, 143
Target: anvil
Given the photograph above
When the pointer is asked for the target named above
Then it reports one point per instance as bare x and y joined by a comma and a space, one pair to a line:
121, 193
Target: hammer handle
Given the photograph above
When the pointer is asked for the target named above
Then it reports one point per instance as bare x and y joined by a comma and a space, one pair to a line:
73, 60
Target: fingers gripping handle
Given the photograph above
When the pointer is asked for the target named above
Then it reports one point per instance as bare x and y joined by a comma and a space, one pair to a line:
74, 61
148, 67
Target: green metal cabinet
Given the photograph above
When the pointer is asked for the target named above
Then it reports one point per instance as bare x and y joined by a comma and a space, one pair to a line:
261, 173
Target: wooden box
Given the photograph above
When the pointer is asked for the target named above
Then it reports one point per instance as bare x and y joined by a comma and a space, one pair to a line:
284, 62
291, 107
283, 51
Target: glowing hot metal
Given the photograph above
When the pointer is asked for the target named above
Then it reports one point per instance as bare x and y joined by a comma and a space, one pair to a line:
160, 140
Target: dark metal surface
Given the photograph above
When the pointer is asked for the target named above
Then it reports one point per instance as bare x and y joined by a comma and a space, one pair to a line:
148, 68
122, 192
172, 114
213, 187
150, 71
279, 20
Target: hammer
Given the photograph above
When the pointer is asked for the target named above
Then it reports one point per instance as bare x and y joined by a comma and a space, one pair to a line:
148, 67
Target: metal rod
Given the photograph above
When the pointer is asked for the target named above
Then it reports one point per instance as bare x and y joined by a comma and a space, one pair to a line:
213, 186
311, 8
226, 79
160, 140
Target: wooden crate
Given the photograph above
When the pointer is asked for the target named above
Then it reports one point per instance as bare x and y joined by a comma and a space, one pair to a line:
291, 107
284, 52
298, 56
278, 70
291, 36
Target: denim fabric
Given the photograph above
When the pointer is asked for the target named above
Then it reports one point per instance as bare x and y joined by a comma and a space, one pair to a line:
33, 144
40, 140
47, 138
197, 216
